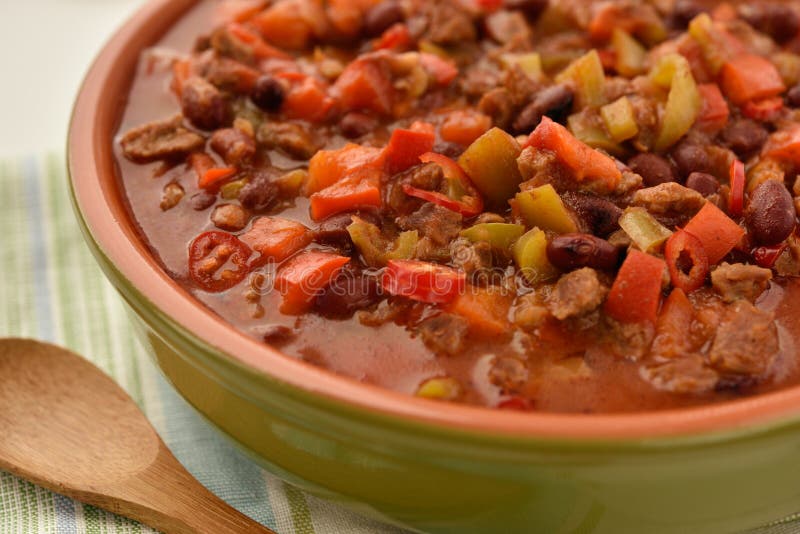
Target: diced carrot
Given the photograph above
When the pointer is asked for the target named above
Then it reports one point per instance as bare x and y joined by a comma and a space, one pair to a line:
275, 238
327, 167
261, 50
485, 310
200, 162
737, 179
636, 292
360, 189
284, 24
181, 71
750, 77
365, 86
584, 161
303, 276
674, 324
407, 145
307, 100
718, 232
763, 110
213, 178
784, 145
714, 113
463, 126
442, 70
397, 37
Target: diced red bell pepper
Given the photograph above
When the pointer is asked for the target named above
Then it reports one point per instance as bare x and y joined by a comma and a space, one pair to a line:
766, 256
307, 100
784, 145
718, 233
750, 77
489, 5
462, 197
218, 261
327, 167
261, 50
463, 126
407, 145
715, 112
443, 71
763, 110
423, 281
636, 293
360, 189
396, 37
583, 161
737, 183
213, 178
275, 238
684, 251
365, 85
302, 277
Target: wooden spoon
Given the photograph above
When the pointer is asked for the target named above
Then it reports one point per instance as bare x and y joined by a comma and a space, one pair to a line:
68, 427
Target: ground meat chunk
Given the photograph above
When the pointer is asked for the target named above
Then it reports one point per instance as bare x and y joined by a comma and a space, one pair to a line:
160, 139
740, 281
669, 198
540, 167
259, 193
351, 290
433, 221
233, 145
554, 102
506, 26
171, 195
498, 105
204, 104
577, 293
444, 333
746, 342
448, 24
520, 86
427, 176
471, 257
688, 374
291, 138
509, 374
744, 136
230, 217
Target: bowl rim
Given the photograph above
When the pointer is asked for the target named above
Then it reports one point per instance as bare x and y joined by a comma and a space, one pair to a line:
100, 205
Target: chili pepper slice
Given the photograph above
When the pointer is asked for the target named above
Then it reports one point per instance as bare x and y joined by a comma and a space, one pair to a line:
767, 256
736, 199
218, 261
461, 197
687, 261
422, 281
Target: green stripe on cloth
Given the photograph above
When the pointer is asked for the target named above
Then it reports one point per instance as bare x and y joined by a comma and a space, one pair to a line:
53, 290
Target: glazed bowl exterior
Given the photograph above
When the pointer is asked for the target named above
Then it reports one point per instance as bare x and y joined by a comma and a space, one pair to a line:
428, 466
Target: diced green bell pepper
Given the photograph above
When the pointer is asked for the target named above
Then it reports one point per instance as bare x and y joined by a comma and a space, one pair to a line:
440, 388
542, 207
491, 164
530, 255
530, 63
291, 182
230, 191
587, 75
631, 56
587, 127
647, 233
500, 236
620, 120
375, 248
683, 103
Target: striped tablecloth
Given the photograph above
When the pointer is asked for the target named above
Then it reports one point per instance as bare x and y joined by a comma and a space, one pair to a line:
51, 289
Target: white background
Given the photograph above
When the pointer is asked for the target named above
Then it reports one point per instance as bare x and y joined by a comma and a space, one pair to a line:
46, 47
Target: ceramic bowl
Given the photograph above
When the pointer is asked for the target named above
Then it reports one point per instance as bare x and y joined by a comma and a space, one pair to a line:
432, 467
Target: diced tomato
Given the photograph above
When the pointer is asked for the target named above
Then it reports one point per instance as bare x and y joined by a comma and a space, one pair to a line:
718, 233
213, 178
275, 238
442, 70
462, 196
463, 126
737, 183
766, 256
763, 110
261, 50
302, 277
584, 161
684, 251
636, 293
715, 112
423, 281
365, 85
486, 310
784, 145
329, 166
307, 100
360, 189
284, 24
750, 77
397, 37
407, 145
218, 261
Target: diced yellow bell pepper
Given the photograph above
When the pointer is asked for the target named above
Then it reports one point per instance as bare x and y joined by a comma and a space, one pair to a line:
647, 233
530, 255
631, 56
491, 164
587, 75
291, 182
587, 127
500, 236
683, 103
530, 63
375, 248
620, 120
702, 29
542, 207
428, 47
788, 66
230, 191
440, 388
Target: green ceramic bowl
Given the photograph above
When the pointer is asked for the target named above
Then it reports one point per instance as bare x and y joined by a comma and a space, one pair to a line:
429, 466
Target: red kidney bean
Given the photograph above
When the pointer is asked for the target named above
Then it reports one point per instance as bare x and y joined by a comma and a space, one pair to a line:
333, 230
268, 93
779, 21
554, 101
383, 15
703, 183
654, 169
349, 291
793, 97
356, 124
690, 156
599, 214
573, 251
770, 214
744, 136
531, 8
